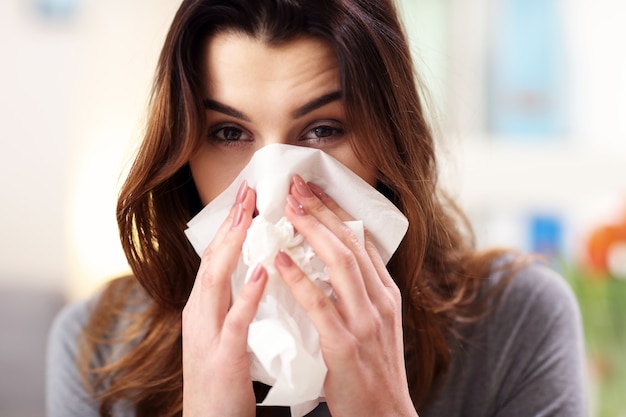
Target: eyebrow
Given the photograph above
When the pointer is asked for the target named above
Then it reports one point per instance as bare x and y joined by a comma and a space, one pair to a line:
223, 108
299, 112
317, 103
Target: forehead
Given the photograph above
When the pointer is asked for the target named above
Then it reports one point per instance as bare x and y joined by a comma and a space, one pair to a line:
234, 59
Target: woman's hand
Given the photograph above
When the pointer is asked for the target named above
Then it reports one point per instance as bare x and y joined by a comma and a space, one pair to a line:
360, 335
216, 370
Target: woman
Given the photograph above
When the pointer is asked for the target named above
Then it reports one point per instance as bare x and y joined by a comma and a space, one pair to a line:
441, 330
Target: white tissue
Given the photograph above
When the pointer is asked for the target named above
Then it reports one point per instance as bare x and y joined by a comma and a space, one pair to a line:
283, 344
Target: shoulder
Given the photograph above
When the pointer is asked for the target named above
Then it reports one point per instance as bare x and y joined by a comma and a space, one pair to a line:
535, 293
67, 394
70, 321
112, 307
526, 357
66, 330
65, 391
535, 345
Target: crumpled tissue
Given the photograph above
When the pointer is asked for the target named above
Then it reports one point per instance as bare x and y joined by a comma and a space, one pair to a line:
282, 342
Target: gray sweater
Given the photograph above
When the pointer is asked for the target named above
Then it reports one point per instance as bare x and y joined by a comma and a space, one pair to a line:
525, 359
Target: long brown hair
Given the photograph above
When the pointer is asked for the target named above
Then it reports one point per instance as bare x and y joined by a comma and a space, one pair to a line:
436, 267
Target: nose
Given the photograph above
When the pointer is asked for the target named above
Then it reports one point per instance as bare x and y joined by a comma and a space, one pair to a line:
277, 138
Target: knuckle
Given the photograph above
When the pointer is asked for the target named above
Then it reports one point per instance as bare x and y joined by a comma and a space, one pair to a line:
229, 241
369, 239
370, 245
349, 237
390, 304
315, 205
394, 292
208, 279
318, 302
396, 295
213, 270
247, 297
207, 254
345, 259
371, 328
388, 307
328, 202
234, 324
296, 277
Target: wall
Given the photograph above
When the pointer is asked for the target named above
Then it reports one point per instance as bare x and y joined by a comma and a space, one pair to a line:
556, 188
35, 74
502, 178
72, 99
74, 91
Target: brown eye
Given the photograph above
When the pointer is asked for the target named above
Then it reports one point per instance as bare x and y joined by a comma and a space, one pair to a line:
323, 131
230, 134
328, 130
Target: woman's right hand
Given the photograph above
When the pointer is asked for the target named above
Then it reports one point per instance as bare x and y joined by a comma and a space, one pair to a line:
216, 369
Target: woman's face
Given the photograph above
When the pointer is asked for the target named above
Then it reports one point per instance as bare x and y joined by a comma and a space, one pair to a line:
256, 94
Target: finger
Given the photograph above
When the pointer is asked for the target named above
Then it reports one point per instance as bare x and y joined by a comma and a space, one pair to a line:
317, 305
329, 202
350, 285
368, 239
211, 290
241, 314
226, 225
377, 261
341, 263
369, 244
324, 209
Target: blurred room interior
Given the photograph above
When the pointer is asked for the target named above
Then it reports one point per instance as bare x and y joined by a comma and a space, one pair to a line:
529, 101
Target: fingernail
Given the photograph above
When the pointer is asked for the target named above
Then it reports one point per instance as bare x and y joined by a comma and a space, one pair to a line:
317, 191
301, 186
238, 215
243, 190
295, 205
284, 259
257, 273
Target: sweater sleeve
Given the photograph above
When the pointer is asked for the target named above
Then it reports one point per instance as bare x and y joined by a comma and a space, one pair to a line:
66, 395
537, 355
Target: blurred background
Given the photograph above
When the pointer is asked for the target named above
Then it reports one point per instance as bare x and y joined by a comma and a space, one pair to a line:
529, 97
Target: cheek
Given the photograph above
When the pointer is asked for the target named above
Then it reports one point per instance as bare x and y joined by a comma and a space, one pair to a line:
347, 157
211, 175
364, 172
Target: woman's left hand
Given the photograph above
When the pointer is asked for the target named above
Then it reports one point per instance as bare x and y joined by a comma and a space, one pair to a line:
360, 334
